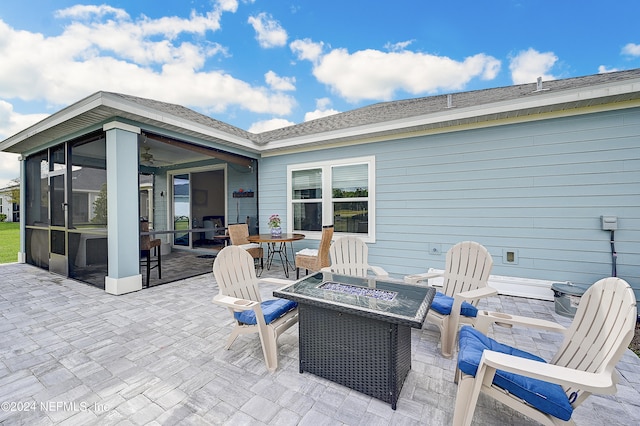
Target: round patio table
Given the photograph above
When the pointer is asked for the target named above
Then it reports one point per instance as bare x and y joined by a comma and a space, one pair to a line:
278, 244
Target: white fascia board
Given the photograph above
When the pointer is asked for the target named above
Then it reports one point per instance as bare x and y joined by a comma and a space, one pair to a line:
171, 120
454, 114
80, 107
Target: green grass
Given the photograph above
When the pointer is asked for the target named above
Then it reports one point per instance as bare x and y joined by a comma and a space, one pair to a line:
9, 241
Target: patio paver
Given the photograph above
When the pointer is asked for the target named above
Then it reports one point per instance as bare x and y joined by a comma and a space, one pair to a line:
72, 354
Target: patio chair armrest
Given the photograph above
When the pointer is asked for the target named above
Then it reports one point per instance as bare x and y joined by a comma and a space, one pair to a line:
276, 281
417, 278
380, 273
602, 383
477, 294
234, 303
485, 318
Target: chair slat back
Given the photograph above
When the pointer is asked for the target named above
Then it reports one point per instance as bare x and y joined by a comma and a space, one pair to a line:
235, 274
145, 240
468, 266
349, 256
323, 247
602, 328
239, 233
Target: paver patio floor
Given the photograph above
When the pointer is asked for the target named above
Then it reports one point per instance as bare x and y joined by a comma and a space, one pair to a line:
70, 354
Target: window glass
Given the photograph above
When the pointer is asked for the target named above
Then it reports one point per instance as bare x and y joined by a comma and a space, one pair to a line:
350, 181
352, 217
307, 216
306, 191
333, 192
307, 184
181, 210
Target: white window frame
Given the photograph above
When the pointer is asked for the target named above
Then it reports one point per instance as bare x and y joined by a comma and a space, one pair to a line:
327, 195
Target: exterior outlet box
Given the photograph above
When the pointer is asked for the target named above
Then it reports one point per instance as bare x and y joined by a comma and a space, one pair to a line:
609, 223
510, 256
435, 249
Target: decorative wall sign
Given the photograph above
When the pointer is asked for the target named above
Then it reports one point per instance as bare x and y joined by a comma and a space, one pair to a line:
241, 193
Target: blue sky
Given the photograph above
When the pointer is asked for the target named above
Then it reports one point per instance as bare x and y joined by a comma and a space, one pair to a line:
261, 65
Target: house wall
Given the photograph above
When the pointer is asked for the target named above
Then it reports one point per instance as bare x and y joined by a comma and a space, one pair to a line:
536, 189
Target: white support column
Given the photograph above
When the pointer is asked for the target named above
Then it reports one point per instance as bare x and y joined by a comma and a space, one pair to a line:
122, 209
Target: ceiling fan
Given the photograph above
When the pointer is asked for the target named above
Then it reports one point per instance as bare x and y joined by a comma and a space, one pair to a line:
146, 156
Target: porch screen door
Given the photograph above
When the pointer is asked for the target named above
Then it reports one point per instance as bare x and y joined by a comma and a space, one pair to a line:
58, 208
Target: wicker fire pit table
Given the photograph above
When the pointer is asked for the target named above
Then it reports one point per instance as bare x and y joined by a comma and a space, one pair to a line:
357, 331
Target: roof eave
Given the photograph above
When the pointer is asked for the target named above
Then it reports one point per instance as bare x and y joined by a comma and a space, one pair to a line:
107, 106
547, 102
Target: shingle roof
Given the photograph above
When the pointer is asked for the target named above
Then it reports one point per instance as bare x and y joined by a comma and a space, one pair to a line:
385, 119
393, 110
185, 113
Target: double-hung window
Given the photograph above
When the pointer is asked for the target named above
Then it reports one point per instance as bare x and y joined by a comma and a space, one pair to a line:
337, 192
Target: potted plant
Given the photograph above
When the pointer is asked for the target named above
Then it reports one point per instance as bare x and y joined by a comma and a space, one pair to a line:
274, 224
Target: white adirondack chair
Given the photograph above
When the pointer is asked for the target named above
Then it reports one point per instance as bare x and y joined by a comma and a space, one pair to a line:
468, 266
349, 256
235, 275
599, 335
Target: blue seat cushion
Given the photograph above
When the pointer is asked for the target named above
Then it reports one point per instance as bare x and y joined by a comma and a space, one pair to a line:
547, 397
271, 309
442, 304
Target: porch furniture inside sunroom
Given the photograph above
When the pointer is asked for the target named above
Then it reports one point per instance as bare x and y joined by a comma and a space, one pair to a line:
147, 247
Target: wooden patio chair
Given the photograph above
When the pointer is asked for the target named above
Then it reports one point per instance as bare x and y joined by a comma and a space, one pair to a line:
467, 270
603, 327
350, 256
239, 234
315, 259
235, 275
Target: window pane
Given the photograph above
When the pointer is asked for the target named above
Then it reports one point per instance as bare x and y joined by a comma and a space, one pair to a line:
307, 184
350, 181
307, 216
181, 211
351, 217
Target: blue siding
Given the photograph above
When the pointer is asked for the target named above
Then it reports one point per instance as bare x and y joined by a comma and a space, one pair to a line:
538, 188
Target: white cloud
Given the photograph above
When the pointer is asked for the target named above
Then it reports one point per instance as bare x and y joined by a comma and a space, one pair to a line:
307, 49
269, 33
266, 125
397, 47
89, 11
280, 83
530, 64
9, 168
102, 48
322, 110
10, 124
631, 49
377, 75
602, 69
